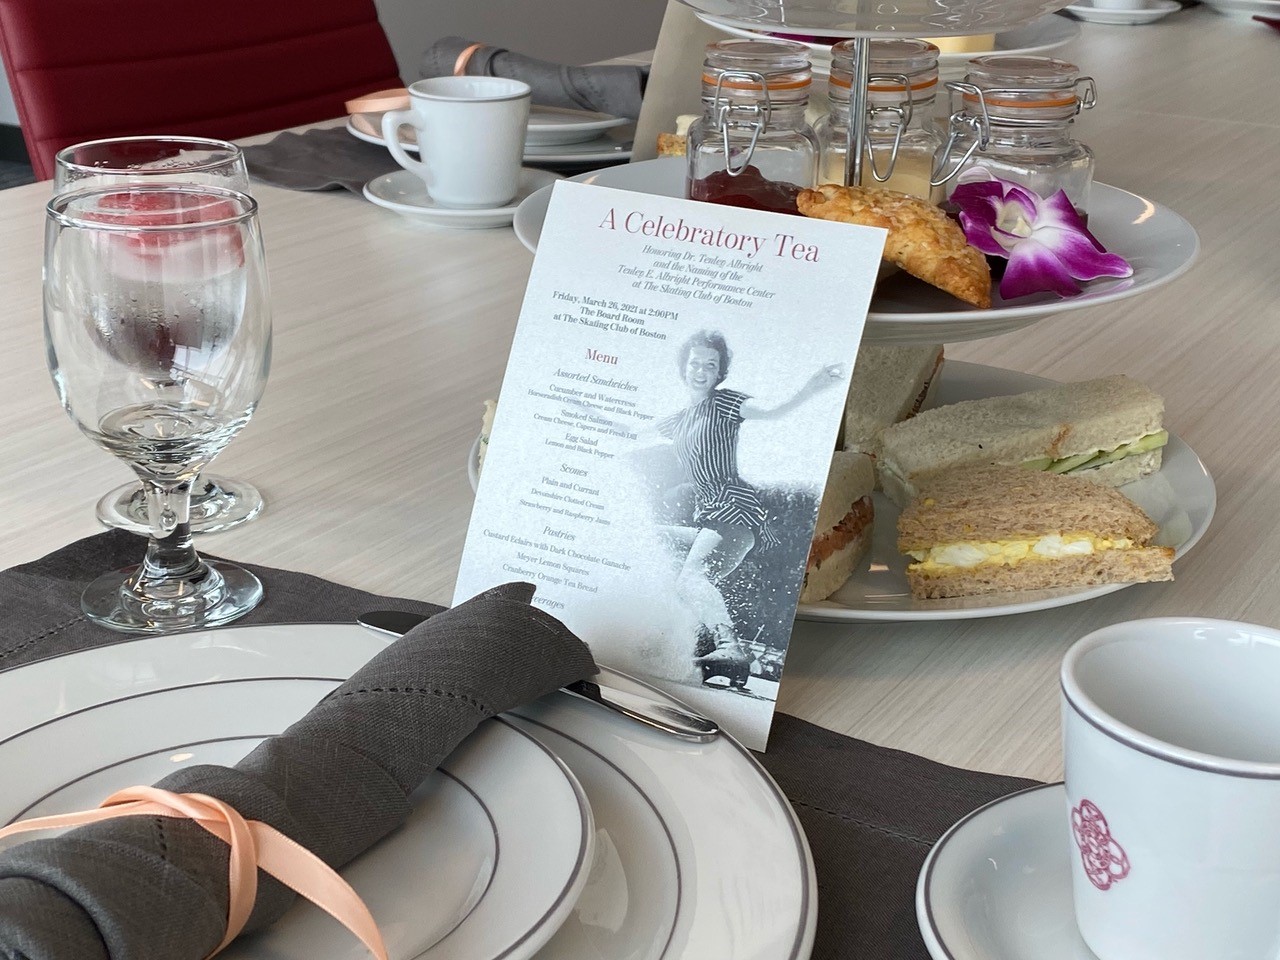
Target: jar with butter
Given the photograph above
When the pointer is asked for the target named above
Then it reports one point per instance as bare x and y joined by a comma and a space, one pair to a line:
1028, 105
752, 146
903, 142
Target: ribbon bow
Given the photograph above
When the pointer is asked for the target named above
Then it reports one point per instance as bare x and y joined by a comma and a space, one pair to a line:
252, 843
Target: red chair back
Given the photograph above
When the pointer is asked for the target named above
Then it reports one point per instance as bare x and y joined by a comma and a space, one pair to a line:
85, 69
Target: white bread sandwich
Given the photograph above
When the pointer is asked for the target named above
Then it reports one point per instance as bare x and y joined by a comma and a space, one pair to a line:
1106, 430
992, 528
889, 384
842, 535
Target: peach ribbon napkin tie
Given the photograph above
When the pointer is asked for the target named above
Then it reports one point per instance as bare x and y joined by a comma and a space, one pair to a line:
252, 843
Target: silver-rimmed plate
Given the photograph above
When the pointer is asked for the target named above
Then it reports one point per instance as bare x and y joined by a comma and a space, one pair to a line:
697, 853
489, 864
1159, 244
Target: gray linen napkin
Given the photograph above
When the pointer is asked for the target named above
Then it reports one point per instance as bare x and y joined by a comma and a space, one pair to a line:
337, 781
616, 90
871, 814
326, 159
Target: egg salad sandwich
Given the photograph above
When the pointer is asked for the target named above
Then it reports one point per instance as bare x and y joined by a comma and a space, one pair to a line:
842, 535
889, 384
992, 528
1107, 430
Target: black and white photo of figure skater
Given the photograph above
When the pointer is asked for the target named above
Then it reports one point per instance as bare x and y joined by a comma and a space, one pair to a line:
712, 519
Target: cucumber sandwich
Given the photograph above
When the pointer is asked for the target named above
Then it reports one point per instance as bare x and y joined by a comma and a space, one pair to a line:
1109, 431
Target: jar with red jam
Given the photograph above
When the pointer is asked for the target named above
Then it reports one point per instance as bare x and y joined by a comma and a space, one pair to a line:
752, 147
904, 144
1028, 105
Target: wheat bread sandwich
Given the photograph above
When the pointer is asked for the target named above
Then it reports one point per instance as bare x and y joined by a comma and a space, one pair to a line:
992, 528
889, 384
1108, 430
842, 534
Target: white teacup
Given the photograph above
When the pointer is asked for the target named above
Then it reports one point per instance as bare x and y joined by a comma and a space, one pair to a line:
1120, 4
471, 134
1172, 745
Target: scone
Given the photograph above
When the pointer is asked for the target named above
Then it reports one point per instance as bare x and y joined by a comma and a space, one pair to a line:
922, 239
671, 145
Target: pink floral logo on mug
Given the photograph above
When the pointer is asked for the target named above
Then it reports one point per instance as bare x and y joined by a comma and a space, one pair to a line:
1105, 861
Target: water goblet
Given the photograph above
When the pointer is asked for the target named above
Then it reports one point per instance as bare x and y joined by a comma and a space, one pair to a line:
158, 336
217, 503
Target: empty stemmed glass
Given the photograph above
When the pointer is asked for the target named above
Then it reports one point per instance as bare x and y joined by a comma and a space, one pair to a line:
217, 503
158, 334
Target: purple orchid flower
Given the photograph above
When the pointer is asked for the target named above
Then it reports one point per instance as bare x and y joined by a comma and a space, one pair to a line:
1045, 241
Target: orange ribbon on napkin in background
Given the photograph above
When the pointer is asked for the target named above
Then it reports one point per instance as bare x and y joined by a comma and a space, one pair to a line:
252, 843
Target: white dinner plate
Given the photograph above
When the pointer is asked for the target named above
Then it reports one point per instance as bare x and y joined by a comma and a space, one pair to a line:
1148, 13
493, 885
910, 18
1038, 37
406, 194
600, 147
997, 885
1180, 498
1245, 9
1159, 244
697, 854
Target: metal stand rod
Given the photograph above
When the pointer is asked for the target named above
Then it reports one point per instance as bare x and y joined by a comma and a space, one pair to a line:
858, 95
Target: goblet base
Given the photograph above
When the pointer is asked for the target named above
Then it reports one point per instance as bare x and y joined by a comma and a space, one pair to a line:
224, 593
217, 503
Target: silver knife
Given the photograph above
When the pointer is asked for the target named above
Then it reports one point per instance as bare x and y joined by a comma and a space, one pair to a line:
661, 716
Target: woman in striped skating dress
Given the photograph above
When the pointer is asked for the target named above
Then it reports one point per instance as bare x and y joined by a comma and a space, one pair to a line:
728, 516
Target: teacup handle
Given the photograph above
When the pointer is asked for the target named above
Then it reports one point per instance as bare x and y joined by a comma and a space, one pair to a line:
392, 121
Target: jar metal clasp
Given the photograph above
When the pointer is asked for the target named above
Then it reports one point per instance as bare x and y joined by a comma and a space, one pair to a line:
726, 112
900, 118
962, 124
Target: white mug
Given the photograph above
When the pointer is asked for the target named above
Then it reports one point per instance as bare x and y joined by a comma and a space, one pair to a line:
1171, 737
471, 134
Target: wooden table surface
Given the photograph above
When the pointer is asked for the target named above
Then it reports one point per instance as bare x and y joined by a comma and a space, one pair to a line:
389, 335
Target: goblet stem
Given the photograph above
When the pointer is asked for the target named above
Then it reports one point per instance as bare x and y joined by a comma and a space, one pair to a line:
168, 506
172, 583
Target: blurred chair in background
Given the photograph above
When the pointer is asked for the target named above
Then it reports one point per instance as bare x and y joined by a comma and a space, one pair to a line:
85, 69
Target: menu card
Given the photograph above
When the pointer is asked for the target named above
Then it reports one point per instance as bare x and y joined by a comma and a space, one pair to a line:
664, 431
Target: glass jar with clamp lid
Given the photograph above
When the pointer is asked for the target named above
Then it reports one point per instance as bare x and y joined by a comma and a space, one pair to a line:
752, 147
1021, 110
901, 146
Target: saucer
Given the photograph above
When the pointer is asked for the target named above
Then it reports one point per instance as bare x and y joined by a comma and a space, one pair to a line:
997, 885
406, 194
1152, 11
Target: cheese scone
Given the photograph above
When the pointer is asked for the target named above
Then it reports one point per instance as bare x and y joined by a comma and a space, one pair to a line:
922, 239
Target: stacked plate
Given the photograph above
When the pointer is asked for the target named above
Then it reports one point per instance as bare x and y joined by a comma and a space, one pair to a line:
556, 136
1038, 37
1181, 498
562, 831
1158, 243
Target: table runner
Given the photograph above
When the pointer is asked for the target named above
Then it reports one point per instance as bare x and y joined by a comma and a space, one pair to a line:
871, 813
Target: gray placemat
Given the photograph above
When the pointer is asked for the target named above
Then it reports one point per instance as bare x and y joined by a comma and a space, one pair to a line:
325, 159
870, 813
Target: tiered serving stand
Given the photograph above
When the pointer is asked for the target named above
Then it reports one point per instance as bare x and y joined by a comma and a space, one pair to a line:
1158, 243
